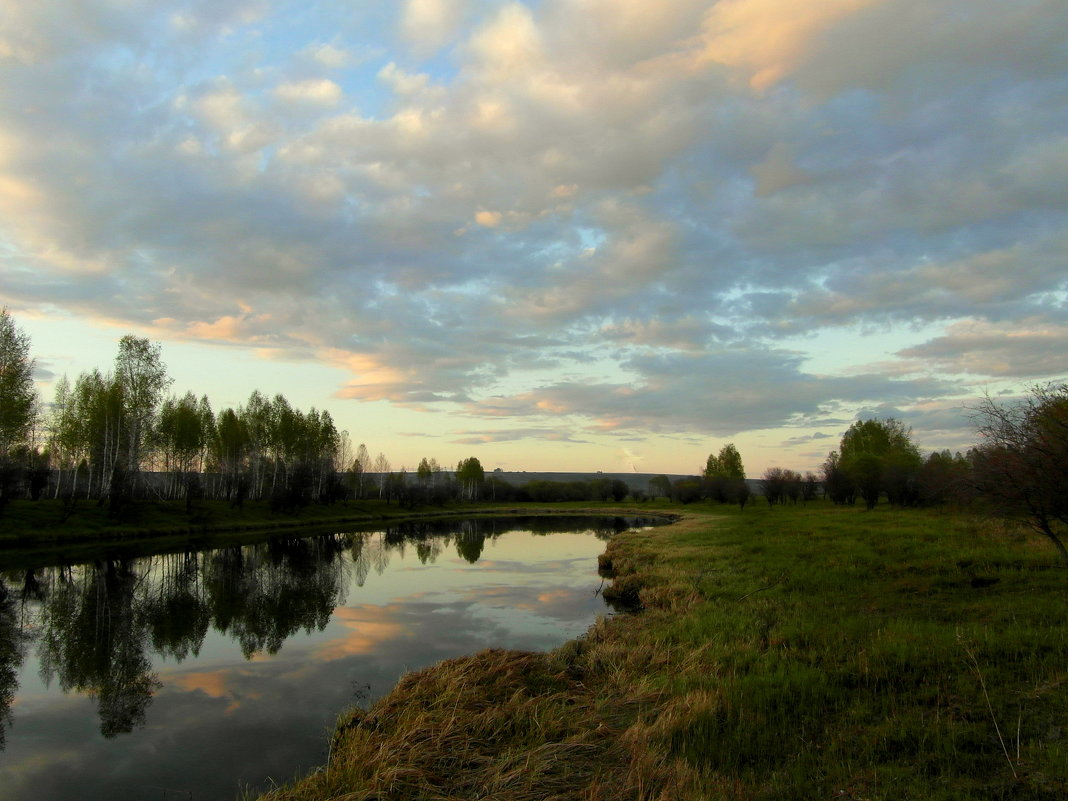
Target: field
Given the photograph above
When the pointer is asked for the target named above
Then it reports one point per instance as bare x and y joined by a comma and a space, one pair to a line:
785, 653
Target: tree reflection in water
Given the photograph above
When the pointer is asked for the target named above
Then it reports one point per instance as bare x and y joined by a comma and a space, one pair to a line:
96, 625
92, 637
12, 640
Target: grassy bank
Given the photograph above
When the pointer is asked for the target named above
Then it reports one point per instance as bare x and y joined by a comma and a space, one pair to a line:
784, 653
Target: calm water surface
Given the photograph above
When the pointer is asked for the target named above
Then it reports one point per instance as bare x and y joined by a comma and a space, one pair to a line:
198, 674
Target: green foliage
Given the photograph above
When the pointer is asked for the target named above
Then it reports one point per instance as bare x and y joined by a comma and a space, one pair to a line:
142, 378
18, 397
945, 478
424, 472
728, 464
660, 487
183, 432
879, 456
470, 475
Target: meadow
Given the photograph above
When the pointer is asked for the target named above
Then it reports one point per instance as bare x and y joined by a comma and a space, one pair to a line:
794, 652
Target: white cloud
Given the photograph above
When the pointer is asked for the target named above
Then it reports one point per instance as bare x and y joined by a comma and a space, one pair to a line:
429, 24
316, 92
508, 45
640, 188
329, 56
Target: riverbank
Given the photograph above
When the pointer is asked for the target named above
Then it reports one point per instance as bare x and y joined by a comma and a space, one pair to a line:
32, 529
788, 653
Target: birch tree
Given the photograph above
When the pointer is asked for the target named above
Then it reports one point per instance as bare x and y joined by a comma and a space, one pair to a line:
18, 396
142, 376
382, 468
230, 449
360, 467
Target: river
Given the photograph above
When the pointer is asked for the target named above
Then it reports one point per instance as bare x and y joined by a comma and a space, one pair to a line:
201, 674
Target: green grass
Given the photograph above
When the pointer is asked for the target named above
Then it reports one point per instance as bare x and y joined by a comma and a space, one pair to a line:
849, 650
786, 653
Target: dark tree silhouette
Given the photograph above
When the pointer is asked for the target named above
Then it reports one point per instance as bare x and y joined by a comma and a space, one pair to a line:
1021, 464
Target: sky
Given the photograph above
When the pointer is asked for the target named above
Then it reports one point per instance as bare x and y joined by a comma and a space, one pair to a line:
569, 235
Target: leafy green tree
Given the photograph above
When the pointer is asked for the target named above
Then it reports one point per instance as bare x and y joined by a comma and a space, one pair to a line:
945, 478
230, 449
423, 472
18, 397
728, 464
837, 483
687, 490
140, 372
99, 414
326, 443
774, 483
63, 439
879, 456
257, 417
284, 438
470, 475
182, 434
382, 467
724, 477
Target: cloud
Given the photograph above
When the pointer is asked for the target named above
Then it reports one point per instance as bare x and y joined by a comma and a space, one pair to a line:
370, 627
329, 56
512, 435
429, 24
736, 390
769, 39
1030, 349
320, 92
610, 210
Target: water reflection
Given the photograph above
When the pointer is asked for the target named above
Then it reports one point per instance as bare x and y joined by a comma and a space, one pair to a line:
115, 629
94, 623
12, 640
92, 635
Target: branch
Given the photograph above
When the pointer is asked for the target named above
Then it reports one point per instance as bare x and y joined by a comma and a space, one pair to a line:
754, 592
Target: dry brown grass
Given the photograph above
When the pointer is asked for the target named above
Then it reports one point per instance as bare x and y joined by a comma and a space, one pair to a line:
504, 725
575, 724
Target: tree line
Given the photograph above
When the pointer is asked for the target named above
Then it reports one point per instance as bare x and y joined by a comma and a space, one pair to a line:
105, 431
1018, 470
117, 435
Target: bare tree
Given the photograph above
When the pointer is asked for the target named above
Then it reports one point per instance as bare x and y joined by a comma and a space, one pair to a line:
1021, 464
